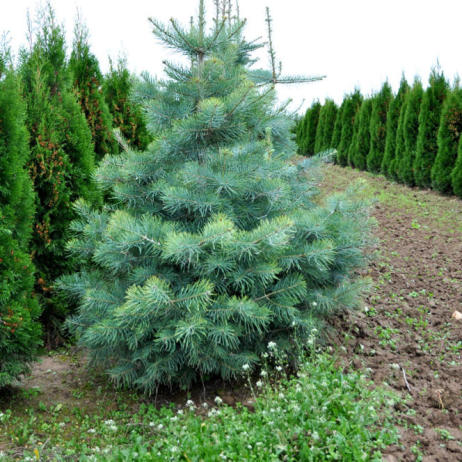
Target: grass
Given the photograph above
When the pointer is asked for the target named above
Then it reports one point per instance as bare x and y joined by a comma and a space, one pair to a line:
321, 414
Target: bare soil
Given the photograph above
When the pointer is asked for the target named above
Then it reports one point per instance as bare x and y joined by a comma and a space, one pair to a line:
406, 334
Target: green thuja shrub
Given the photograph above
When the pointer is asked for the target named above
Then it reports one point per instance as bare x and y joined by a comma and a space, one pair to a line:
387, 166
448, 141
456, 174
350, 111
378, 128
216, 243
325, 127
337, 131
300, 132
87, 79
20, 333
310, 128
429, 122
400, 144
126, 112
61, 163
406, 157
359, 148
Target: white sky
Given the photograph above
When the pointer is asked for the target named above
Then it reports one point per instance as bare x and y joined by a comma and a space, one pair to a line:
354, 42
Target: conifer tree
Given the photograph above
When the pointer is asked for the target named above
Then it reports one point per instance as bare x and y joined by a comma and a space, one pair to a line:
337, 132
350, 111
359, 148
126, 112
392, 128
61, 163
311, 125
325, 127
400, 144
87, 80
214, 246
381, 103
456, 174
448, 141
20, 333
300, 132
429, 122
405, 163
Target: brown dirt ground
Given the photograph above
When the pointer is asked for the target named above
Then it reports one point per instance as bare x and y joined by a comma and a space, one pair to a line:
417, 285
408, 327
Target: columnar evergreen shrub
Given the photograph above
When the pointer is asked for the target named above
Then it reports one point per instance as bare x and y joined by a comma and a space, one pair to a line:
20, 333
359, 148
429, 122
456, 174
448, 141
400, 144
378, 131
61, 163
126, 112
405, 161
311, 125
215, 245
392, 127
87, 80
337, 132
351, 109
325, 127
300, 132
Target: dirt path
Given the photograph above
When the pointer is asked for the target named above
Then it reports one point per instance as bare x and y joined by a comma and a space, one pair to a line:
406, 332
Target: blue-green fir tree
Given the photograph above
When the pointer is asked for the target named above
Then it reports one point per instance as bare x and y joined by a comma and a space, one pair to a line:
215, 243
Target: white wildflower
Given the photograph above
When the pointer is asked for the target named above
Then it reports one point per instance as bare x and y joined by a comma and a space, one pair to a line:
205, 405
180, 412
91, 430
259, 384
218, 400
160, 427
272, 345
279, 368
113, 428
190, 403
109, 422
152, 424
314, 304
246, 367
263, 373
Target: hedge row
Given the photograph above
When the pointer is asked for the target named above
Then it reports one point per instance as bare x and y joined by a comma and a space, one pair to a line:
412, 137
57, 120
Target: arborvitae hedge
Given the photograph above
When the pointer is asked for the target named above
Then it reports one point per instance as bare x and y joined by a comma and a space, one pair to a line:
337, 132
87, 80
405, 163
429, 122
456, 174
400, 148
448, 141
378, 131
20, 333
359, 148
126, 113
310, 125
392, 128
61, 164
325, 127
350, 110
